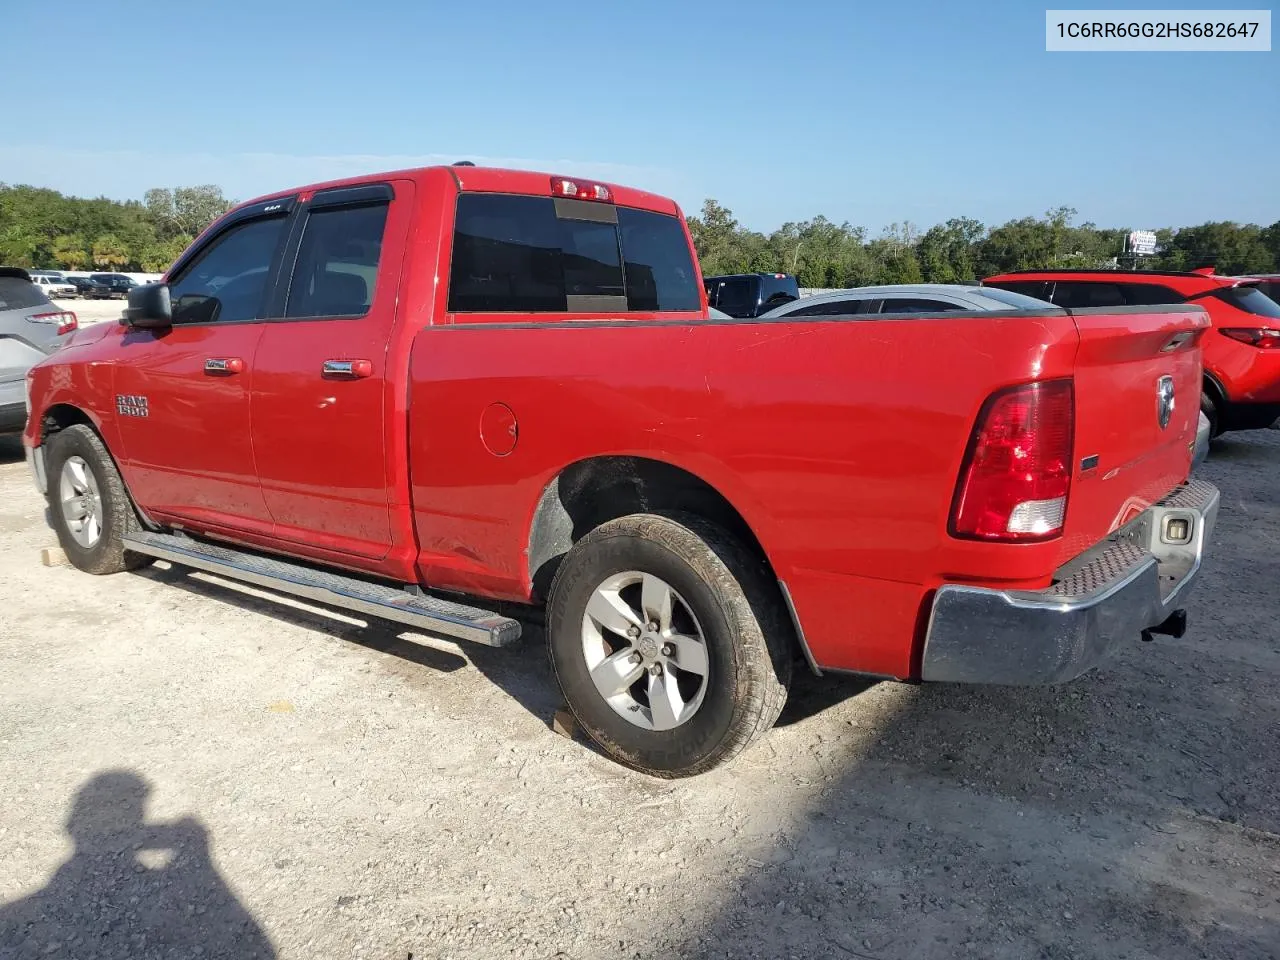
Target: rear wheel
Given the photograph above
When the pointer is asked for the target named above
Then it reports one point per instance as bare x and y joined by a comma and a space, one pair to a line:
669, 643
88, 503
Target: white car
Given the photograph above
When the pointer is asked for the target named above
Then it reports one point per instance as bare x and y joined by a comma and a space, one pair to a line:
55, 287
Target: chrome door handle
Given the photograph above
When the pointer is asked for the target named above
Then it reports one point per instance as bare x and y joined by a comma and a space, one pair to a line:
224, 365
347, 369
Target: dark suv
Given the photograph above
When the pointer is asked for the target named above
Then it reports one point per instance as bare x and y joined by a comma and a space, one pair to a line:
750, 294
1241, 352
117, 283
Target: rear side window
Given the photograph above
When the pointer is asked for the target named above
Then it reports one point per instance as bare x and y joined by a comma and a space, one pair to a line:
1145, 294
1039, 289
830, 308
337, 266
528, 255
18, 294
1250, 300
1010, 298
915, 305
1081, 296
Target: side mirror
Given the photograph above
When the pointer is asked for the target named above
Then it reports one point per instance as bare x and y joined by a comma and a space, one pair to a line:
149, 307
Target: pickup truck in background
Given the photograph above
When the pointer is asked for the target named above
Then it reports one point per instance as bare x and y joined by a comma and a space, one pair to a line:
750, 294
429, 395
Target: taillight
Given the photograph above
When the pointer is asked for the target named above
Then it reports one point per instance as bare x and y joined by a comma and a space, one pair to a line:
65, 319
1263, 338
580, 189
1017, 470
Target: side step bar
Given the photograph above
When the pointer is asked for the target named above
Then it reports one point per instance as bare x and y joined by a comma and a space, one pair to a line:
350, 593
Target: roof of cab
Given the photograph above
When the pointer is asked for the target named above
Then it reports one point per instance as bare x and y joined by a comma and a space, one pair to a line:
473, 179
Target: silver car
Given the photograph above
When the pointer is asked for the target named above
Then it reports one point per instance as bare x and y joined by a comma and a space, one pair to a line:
31, 328
908, 298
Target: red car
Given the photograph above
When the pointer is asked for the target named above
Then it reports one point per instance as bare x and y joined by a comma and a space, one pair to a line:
1241, 354
423, 395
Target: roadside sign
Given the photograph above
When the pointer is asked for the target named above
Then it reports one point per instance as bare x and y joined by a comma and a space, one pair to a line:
1142, 242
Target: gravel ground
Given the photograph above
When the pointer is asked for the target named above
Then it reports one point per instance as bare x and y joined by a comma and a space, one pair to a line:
193, 769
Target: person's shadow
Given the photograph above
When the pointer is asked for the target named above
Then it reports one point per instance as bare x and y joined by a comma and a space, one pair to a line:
131, 889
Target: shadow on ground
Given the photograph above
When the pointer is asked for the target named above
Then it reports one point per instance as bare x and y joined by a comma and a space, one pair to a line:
131, 889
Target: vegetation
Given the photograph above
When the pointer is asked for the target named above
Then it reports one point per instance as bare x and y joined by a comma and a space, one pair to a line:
43, 229
824, 254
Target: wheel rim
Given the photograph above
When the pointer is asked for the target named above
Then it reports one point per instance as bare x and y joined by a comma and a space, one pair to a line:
645, 651
81, 502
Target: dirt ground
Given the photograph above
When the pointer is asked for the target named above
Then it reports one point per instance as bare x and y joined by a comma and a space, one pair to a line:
196, 769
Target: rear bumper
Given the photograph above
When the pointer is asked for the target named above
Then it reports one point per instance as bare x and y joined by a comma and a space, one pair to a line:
1129, 583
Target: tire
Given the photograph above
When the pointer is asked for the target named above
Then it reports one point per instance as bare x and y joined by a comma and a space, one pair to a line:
721, 595
1210, 410
93, 471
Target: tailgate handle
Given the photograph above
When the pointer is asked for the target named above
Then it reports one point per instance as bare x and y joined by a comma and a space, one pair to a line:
1177, 340
347, 369
224, 365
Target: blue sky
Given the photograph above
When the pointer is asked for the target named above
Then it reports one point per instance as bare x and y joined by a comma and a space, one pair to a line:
870, 113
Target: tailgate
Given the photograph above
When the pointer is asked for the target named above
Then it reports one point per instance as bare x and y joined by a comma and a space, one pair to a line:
1137, 381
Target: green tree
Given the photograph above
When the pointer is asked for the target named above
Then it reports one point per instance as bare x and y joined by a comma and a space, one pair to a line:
109, 252
158, 257
18, 246
70, 251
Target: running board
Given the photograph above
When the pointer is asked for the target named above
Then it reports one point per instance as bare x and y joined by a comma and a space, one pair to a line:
378, 600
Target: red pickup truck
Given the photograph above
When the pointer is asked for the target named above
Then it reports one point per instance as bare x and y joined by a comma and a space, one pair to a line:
425, 395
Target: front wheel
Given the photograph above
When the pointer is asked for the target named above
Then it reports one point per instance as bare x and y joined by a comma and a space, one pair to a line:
88, 503
669, 643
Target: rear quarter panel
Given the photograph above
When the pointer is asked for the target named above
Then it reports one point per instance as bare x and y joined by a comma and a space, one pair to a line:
839, 442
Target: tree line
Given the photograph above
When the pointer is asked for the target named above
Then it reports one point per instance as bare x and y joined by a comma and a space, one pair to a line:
43, 229
825, 254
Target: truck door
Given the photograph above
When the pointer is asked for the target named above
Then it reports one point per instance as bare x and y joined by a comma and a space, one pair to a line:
182, 393
322, 398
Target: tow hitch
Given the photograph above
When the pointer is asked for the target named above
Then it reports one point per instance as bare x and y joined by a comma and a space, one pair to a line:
1174, 626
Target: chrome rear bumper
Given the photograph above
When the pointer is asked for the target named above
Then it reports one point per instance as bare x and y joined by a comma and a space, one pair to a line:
1133, 581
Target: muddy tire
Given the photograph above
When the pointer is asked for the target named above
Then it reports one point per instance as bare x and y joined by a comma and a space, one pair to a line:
670, 642
89, 508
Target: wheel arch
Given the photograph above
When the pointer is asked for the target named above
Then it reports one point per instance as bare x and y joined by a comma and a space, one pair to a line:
595, 490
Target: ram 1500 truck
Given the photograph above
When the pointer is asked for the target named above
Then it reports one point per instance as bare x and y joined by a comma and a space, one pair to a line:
432, 395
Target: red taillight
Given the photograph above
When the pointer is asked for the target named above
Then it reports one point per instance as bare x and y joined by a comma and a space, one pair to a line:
65, 319
580, 189
1017, 471
1264, 338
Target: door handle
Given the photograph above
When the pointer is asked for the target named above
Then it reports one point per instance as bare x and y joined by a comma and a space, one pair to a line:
347, 369
224, 365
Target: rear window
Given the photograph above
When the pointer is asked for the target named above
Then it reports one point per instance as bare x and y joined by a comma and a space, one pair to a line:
18, 294
1250, 300
738, 297
539, 255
